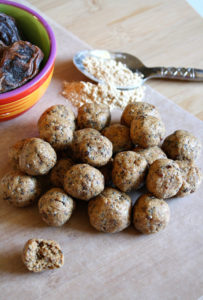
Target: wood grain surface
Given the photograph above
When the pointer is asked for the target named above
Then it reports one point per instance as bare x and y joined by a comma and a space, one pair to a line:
160, 33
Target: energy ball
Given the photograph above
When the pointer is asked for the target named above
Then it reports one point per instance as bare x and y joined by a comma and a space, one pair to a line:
138, 109
182, 145
58, 172
14, 152
83, 182
93, 115
59, 111
192, 177
150, 214
96, 150
39, 255
56, 207
37, 157
56, 126
129, 170
164, 178
151, 154
79, 136
110, 211
119, 135
20, 189
147, 131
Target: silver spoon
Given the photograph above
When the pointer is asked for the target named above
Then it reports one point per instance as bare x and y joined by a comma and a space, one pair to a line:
135, 65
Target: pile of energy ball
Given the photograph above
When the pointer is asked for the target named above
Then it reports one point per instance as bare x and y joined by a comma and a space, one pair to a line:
88, 159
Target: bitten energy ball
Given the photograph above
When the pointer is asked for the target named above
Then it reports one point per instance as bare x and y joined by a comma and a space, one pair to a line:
93, 115
37, 157
56, 207
138, 109
147, 131
83, 182
20, 189
14, 152
56, 126
79, 136
95, 150
151, 154
119, 135
192, 177
58, 172
182, 145
164, 178
110, 211
129, 170
150, 214
39, 255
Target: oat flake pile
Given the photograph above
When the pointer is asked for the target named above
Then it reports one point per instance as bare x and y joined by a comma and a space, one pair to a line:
111, 72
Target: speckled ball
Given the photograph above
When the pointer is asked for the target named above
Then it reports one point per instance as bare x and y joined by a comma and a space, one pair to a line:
138, 109
164, 178
19, 189
37, 157
182, 145
56, 207
147, 131
83, 182
110, 211
150, 214
93, 115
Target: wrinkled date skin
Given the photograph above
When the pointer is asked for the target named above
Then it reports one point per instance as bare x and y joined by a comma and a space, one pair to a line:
9, 33
19, 63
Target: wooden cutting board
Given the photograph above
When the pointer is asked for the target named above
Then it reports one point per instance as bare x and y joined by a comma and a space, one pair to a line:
126, 265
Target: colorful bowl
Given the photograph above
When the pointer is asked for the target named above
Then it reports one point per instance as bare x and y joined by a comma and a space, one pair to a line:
37, 31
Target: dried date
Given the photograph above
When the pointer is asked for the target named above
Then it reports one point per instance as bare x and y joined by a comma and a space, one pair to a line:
19, 63
9, 33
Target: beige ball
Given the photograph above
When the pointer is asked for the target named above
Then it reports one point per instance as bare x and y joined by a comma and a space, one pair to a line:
19, 189
37, 157
182, 145
192, 177
95, 150
150, 214
110, 211
164, 178
119, 135
138, 109
147, 131
83, 182
93, 115
129, 170
56, 207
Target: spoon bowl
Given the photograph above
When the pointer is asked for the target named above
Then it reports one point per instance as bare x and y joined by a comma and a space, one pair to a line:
136, 66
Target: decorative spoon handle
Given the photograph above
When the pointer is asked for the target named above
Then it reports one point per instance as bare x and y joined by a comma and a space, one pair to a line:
190, 74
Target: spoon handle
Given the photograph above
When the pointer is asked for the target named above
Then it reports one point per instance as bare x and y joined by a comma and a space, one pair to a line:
190, 74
